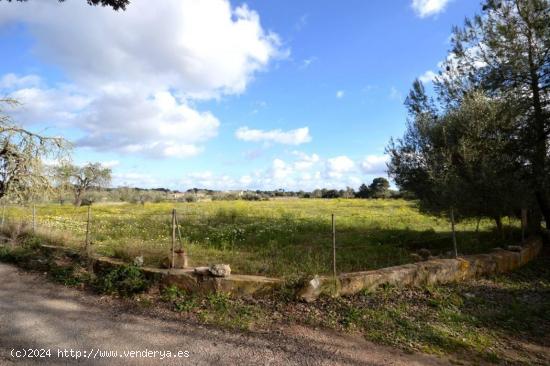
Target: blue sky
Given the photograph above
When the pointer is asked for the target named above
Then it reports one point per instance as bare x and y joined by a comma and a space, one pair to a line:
224, 95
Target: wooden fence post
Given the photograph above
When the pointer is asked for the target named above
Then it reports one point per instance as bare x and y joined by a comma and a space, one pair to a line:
454, 232
183, 251
87, 243
173, 249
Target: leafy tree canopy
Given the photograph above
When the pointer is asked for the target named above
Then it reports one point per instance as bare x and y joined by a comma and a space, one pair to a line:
82, 178
482, 144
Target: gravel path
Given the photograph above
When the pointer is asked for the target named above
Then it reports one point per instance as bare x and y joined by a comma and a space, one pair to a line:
37, 314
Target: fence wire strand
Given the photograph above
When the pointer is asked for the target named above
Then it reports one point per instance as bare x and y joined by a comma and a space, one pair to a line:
388, 236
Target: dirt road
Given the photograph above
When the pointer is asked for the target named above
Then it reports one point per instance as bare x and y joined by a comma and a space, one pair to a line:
36, 314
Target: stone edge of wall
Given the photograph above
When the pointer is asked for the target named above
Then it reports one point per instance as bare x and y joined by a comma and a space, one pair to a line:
414, 274
423, 273
187, 279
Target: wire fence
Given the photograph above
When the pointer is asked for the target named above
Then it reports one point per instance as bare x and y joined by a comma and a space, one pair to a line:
271, 242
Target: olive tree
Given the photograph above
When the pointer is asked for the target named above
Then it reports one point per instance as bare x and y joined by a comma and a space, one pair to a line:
505, 51
459, 157
83, 178
22, 153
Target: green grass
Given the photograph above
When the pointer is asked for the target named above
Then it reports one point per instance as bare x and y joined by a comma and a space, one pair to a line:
274, 238
503, 319
216, 308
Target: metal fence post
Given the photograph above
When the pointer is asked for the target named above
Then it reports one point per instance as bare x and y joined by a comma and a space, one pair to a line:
173, 249
87, 243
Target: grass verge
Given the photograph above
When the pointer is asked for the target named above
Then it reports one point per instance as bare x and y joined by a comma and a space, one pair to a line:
504, 319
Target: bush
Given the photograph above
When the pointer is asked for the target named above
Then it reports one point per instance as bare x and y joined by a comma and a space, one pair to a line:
125, 281
251, 196
191, 198
15, 255
180, 299
225, 197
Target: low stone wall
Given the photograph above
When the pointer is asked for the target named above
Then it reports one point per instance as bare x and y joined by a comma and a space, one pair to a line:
187, 279
423, 273
414, 274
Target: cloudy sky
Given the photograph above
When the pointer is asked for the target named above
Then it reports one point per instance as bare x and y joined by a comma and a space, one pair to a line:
224, 94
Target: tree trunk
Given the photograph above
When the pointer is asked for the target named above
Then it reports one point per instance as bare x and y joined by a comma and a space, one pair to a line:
533, 222
540, 144
77, 198
544, 206
498, 222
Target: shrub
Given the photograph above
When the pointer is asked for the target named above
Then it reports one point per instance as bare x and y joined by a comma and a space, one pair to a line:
181, 299
190, 198
15, 255
125, 281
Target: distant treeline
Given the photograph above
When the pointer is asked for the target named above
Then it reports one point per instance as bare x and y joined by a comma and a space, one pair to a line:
379, 188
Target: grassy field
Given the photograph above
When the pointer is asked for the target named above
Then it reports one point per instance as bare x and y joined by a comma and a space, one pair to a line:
503, 319
275, 238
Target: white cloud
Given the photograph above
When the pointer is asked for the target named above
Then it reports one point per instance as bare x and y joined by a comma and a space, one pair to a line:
305, 172
338, 166
110, 163
340, 94
11, 81
281, 169
133, 83
159, 126
207, 179
305, 162
59, 106
292, 137
428, 77
133, 179
199, 47
307, 62
425, 8
245, 180
374, 164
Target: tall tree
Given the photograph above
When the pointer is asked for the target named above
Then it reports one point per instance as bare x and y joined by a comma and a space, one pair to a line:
363, 191
82, 179
61, 177
379, 188
22, 173
505, 51
417, 160
459, 157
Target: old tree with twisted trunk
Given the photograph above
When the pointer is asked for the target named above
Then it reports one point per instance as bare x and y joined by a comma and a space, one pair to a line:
82, 178
22, 172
